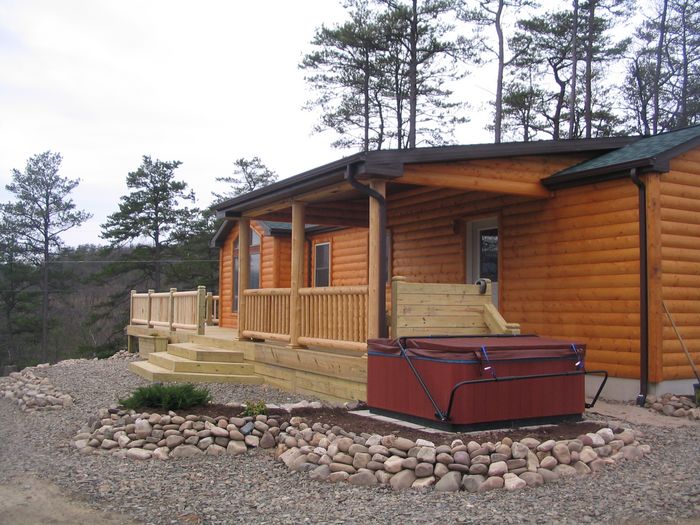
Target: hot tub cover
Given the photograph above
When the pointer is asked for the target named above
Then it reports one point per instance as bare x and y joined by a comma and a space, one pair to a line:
476, 349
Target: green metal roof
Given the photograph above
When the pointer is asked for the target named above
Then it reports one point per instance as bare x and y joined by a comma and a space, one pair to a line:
648, 154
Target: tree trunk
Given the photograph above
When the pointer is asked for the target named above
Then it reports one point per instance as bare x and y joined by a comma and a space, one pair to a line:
45, 287
365, 94
682, 120
588, 97
499, 79
657, 71
574, 73
413, 78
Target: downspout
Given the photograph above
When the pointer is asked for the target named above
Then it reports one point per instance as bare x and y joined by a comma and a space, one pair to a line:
381, 311
643, 292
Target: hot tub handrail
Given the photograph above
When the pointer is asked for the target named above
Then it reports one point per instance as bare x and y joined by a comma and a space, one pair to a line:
438, 413
518, 378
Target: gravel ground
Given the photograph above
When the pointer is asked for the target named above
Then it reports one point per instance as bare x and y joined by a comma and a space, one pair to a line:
662, 487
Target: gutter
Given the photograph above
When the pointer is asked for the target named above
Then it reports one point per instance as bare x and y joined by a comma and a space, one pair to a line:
643, 291
381, 311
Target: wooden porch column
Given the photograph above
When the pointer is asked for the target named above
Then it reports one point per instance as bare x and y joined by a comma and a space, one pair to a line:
243, 269
297, 277
375, 280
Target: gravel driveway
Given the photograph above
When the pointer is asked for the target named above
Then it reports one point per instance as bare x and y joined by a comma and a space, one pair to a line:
662, 487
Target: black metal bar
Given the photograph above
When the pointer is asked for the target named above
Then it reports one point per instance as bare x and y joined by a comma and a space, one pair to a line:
643, 291
438, 412
519, 378
600, 388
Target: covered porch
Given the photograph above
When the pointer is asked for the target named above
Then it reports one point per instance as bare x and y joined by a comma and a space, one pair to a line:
416, 218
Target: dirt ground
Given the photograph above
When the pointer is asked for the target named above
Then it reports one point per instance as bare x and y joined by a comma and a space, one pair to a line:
31, 501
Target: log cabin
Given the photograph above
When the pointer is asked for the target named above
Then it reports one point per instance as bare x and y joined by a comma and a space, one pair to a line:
592, 240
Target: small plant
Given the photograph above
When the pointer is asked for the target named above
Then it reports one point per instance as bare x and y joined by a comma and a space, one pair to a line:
167, 397
255, 408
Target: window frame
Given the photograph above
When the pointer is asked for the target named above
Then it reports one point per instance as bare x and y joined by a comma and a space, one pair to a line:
315, 264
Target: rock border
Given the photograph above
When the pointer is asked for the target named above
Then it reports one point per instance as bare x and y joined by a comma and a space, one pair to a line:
33, 393
674, 405
329, 453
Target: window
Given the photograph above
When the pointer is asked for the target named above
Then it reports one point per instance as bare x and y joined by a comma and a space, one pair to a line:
488, 254
254, 277
322, 264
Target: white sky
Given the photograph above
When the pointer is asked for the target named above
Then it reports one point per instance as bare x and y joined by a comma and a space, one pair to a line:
105, 82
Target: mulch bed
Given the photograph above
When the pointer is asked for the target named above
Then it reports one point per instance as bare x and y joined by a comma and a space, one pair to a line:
355, 423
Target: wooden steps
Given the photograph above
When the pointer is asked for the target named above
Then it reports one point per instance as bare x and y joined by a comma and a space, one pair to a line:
196, 363
199, 352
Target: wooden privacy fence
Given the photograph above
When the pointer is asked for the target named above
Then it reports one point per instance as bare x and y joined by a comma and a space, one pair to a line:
173, 309
334, 317
445, 309
265, 314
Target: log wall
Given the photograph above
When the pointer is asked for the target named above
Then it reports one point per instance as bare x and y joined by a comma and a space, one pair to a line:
680, 262
428, 240
570, 269
348, 255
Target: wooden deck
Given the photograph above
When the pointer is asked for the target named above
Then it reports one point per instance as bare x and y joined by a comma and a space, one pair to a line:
325, 373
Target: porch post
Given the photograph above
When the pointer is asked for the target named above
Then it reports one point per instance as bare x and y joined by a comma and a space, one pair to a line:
375, 279
297, 277
243, 269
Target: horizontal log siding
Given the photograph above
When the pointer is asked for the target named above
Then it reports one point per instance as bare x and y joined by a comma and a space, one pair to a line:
570, 269
680, 265
427, 246
227, 318
348, 255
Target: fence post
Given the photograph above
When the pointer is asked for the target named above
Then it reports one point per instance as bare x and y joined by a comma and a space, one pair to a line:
131, 306
171, 308
148, 319
201, 308
395, 284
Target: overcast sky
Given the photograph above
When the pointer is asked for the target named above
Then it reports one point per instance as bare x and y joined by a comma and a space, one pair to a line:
105, 82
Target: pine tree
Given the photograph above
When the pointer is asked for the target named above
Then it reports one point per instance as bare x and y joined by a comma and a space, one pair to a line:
150, 212
42, 211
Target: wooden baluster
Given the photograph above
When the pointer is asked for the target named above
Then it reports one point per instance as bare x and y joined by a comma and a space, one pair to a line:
171, 308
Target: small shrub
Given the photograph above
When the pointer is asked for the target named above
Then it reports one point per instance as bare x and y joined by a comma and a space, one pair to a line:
255, 408
167, 397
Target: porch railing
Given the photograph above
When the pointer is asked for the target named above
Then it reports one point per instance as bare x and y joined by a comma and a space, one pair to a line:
212, 309
265, 314
173, 309
334, 317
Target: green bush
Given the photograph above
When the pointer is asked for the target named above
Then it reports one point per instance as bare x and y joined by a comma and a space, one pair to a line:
255, 408
167, 397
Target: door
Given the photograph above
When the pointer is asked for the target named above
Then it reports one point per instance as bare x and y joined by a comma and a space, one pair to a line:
482, 252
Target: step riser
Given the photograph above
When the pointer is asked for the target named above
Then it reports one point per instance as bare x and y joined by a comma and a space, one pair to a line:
179, 377
201, 367
229, 356
215, 342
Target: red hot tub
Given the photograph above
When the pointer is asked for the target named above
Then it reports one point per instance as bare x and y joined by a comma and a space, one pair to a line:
508, 378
